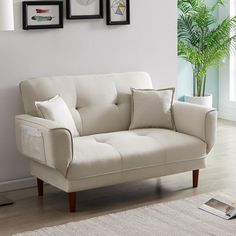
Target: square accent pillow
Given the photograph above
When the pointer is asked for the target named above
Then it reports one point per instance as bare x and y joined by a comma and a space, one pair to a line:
56, 109
152, 108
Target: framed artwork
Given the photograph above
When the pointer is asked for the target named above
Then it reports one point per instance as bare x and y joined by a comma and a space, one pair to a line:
42, 14
118, 12
84, 9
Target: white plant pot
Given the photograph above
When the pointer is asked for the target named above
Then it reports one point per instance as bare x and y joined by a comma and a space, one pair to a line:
203, 101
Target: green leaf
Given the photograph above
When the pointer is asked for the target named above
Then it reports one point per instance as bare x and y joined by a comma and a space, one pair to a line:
203, 41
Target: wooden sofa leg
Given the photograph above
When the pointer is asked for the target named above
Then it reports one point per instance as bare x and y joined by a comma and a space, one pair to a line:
40, 187
72, 201
195, 178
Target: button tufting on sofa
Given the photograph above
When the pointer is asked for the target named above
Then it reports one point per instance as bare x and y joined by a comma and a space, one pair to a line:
107, 152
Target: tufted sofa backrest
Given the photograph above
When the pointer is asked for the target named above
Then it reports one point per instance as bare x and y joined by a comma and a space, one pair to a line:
98, 103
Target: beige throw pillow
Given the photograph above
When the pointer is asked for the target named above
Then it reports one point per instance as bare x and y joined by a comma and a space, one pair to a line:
152, 108
56, 109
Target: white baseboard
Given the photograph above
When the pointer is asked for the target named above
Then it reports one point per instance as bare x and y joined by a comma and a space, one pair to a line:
17, 184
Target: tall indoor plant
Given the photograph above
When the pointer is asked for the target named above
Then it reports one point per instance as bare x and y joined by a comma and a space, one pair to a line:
203, 40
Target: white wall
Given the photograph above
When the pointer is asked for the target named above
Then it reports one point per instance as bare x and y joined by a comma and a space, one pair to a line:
88, 46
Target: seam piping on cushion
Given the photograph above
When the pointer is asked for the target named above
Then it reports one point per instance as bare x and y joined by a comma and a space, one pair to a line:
138, 168
45, 156
172, 112
77, 109
72, 148
72, 145
82, 125
44, 126
213, 110
131, 108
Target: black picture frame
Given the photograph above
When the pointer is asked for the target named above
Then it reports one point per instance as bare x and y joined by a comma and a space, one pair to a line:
69, 15
27, 26
109, 11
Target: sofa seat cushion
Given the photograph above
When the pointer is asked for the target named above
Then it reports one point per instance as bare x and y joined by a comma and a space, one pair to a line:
122, 151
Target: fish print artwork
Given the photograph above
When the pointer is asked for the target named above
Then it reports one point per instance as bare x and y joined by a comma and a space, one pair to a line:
42, 11
40, 17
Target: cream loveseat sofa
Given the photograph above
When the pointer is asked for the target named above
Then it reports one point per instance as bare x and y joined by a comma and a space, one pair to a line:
107, 153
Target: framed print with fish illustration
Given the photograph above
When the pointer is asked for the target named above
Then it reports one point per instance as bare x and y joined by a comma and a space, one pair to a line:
84, 9
42, 14
118, 12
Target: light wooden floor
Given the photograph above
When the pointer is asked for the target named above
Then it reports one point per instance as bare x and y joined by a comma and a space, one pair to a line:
30, 212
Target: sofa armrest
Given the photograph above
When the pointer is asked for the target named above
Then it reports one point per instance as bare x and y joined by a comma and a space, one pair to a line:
44, 141
195, 120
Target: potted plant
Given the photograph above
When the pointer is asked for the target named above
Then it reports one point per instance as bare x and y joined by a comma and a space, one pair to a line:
204, 42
